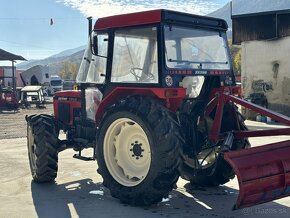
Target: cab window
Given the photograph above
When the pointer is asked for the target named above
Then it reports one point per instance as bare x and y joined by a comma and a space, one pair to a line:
135, 56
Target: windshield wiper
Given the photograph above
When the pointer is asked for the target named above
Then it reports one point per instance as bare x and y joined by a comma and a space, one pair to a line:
197, 62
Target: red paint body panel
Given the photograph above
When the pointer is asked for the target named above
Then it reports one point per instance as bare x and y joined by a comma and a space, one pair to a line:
67, 97
69, 93
1, 72
8, 100
261, 110
262, 133
263, 173
133, 19
172, 102
223, 98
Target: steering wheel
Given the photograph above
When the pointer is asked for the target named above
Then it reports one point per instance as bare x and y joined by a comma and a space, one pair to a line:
133, 71
138, 76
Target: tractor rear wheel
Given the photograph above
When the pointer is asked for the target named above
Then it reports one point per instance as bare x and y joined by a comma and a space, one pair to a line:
138, 151
42, 144
213, 169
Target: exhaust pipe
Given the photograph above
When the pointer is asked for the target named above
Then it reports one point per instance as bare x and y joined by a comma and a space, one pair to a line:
83, 86
90, 27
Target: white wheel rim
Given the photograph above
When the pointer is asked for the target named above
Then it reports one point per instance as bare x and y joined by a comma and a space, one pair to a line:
31, 145
127, 152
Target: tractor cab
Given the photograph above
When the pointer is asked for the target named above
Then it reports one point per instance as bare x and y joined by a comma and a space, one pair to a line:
162, 49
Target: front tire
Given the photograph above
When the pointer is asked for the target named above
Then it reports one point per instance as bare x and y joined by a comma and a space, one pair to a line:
138, 151
42, 144
219, 171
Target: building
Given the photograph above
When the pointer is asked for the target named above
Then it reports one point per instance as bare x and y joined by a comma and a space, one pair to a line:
265, 42
7, 74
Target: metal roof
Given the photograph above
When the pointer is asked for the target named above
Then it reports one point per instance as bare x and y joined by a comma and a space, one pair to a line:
7, 56
157, 16
277, 12
30, 88
250, 7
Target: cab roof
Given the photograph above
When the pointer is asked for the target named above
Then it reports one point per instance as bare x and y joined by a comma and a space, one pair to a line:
158, 16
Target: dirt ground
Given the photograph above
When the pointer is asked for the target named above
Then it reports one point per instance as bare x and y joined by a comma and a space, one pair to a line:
13, 124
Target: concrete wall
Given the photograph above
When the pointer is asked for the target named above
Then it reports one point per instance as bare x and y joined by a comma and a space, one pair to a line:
266, 69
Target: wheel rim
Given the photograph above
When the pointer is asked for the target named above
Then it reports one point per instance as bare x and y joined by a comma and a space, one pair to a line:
127, 152
207, 157
31, 149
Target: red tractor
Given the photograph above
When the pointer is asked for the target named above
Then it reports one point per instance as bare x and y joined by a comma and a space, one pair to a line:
156, 101
8, 99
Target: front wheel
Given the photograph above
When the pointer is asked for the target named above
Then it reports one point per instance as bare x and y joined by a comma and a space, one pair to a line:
42, 145
138, 151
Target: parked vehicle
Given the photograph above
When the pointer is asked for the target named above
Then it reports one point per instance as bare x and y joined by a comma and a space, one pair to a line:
68, 84
32, 95
55, 84
8, 100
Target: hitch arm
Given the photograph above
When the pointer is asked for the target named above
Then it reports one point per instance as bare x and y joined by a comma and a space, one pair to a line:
263, 172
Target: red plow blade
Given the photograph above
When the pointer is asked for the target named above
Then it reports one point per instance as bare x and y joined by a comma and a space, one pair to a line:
263, 173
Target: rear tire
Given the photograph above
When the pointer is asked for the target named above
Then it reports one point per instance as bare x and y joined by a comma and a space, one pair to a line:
138, 151
220, 172
42, 144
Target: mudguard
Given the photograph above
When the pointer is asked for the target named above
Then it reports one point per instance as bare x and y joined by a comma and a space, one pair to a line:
263, 173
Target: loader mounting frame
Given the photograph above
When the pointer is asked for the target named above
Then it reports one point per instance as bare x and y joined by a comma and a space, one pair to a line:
263, 172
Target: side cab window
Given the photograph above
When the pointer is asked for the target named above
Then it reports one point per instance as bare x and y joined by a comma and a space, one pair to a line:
98, 64
135, 56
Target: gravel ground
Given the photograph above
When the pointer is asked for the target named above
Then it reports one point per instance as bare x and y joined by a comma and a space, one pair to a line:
13, 124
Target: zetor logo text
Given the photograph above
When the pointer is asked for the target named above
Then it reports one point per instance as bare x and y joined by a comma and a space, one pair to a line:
219, 72
180, 72
197, 72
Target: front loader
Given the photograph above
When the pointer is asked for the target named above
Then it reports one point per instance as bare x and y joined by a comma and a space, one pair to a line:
157, 100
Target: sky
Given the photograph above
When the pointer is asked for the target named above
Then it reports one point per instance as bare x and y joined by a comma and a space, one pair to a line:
25, 25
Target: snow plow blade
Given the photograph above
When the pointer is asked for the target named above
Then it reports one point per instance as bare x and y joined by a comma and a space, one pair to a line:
263, 173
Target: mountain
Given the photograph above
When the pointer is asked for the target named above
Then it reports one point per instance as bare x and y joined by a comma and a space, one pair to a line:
68, 52
223, 13
56, 62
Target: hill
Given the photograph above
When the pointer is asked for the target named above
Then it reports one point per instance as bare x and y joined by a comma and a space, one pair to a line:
56, 62
223, 13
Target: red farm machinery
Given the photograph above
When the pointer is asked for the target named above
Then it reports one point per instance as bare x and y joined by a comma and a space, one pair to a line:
156, 100
8, 99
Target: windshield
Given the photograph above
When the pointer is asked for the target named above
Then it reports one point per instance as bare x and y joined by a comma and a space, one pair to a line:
55, 82
195, 48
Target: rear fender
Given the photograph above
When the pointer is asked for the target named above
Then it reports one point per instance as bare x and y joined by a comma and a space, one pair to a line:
172, 97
